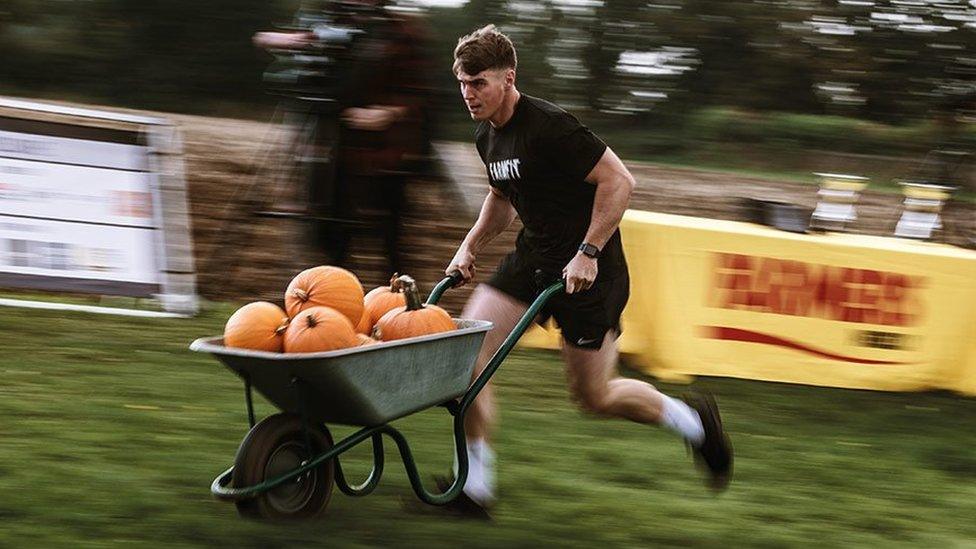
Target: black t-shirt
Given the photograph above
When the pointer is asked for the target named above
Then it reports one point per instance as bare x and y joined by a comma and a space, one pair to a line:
540, 160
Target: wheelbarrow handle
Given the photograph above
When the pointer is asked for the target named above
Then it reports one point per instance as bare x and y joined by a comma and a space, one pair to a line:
450, 281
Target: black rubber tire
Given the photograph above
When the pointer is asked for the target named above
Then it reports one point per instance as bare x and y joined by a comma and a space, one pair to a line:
273, 447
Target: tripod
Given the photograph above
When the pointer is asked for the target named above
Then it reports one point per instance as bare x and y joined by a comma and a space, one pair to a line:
297, 154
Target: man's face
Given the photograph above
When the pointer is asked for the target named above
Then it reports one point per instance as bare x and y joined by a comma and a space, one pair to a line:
484, 93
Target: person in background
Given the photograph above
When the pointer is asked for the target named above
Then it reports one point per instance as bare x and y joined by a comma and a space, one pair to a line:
374, 129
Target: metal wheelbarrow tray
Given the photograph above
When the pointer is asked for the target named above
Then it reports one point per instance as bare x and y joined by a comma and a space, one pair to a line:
368, 385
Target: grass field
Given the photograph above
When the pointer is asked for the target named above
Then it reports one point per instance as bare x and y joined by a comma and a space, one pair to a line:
111, 432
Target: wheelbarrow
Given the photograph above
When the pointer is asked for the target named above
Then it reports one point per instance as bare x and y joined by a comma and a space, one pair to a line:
287, 464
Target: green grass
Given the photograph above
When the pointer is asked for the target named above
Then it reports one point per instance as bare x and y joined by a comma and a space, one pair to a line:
112, 431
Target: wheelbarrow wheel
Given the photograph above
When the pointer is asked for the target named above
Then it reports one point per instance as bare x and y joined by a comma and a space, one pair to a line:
272, 448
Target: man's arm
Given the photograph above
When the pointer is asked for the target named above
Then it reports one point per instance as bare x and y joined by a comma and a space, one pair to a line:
296, 40
374, 118
614, 185
497, 213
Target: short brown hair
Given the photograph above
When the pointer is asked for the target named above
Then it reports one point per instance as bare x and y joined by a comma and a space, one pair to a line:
484, 49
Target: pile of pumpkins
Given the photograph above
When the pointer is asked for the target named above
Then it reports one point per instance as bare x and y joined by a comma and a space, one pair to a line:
325, 310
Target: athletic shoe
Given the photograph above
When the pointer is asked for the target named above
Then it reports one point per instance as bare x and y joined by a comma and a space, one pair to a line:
463, 504
715, 454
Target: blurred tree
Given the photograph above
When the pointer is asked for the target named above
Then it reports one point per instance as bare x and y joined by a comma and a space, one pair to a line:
616, 60
173, 54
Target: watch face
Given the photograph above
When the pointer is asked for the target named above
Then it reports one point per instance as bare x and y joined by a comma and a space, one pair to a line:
590, 250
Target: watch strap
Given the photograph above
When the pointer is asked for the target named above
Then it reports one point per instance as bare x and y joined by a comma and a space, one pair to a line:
589, 250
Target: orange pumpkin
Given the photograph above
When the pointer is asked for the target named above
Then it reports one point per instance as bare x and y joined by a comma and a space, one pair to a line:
414, 319
382, 300
326, 286
258, 326
365, 340
319, 329
365, 326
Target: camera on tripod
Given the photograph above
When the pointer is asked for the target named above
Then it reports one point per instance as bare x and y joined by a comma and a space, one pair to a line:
319, 70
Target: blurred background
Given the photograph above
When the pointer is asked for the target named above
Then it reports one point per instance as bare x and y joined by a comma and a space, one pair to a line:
753, 95
682, 80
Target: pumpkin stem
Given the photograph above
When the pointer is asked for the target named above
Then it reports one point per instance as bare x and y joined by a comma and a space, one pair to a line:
312, 321
410, 292
301, 294
394, 287
281, 329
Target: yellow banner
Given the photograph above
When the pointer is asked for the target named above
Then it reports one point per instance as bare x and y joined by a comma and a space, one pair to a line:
723, 298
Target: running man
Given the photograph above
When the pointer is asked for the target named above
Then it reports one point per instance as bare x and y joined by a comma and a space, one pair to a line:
570, 191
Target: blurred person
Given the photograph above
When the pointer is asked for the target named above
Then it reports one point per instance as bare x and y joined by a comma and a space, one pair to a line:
570, 190
374, 129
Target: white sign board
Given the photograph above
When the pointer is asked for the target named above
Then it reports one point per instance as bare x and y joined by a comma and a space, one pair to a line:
73, 256
62, 150
81, 210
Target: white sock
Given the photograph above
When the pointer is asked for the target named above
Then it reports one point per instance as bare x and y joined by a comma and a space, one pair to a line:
682, 419
480, 485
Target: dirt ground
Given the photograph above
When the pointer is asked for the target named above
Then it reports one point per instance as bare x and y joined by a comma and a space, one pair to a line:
244, 257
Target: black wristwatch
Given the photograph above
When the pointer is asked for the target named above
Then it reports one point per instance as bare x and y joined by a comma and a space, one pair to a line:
589, 250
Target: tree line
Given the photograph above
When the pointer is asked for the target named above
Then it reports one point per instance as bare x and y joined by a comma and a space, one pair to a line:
623, 63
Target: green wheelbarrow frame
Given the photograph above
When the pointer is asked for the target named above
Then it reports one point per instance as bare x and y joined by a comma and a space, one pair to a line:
457, 407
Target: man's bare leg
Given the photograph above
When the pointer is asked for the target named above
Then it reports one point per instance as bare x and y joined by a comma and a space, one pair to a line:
596, 386
504, 311
598, 389
486, 303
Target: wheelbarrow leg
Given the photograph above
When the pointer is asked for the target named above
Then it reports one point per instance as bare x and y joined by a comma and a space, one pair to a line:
249, 400
297, 384
461, 450
367, 486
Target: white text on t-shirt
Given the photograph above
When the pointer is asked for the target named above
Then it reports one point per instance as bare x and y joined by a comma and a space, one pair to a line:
504, 170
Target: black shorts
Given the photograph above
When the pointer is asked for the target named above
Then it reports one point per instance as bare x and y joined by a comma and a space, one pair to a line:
584, 317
